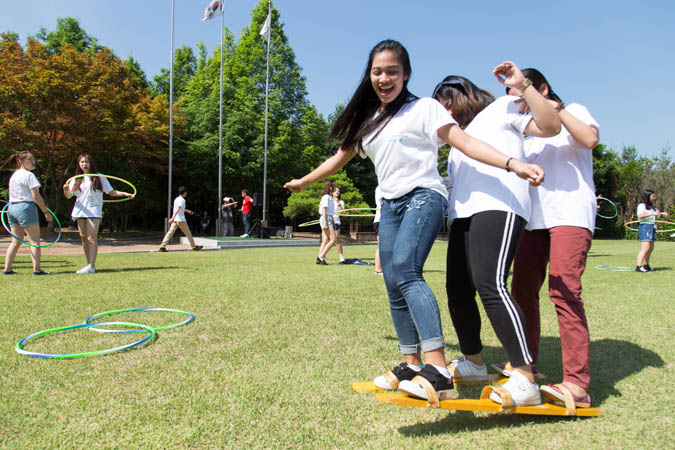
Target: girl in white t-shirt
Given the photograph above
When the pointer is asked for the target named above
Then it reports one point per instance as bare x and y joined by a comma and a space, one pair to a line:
647, 215
24, 200
559, 236
326, 212
339, 207
401, 134
88, 209
489, 209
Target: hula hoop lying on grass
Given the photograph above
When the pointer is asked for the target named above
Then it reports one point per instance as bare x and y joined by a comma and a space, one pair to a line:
616, 210
656, 221
4, 224
614, 268
106, 176
190, 318
19, 349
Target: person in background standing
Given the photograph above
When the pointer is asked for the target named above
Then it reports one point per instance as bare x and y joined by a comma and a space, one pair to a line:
647, 215
339, 206
228, 216
246, 204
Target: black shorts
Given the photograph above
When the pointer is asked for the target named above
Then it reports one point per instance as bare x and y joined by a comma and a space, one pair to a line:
336, 226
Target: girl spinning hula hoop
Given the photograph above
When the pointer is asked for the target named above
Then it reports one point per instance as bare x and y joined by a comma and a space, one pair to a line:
647, 215
401, 134
24, 200
88, 186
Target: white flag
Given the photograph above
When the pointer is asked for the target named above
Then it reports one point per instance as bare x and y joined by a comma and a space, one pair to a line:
265, 30
215, 8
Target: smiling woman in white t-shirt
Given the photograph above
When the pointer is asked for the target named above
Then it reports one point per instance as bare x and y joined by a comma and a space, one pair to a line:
88, 209
559, 236
489, 208
401, 134
24, 199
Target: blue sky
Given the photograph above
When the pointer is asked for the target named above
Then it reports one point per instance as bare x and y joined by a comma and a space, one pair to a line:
615, 57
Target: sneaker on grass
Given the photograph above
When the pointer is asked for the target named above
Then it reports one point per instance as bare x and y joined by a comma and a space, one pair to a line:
523, 393
469, 371
429, 375
391, 379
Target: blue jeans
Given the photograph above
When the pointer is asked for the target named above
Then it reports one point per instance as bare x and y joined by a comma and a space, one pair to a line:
247, 223
408, 229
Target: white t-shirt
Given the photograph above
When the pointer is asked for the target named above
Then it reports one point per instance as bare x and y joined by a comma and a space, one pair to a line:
179, 209
328, 203
478, 187
567, 195
405, 153
89, 203
378, 204
642, 209
20, 184
336, 217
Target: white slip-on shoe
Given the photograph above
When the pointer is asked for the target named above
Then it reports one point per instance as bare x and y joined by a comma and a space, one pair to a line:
468, 371
523, 393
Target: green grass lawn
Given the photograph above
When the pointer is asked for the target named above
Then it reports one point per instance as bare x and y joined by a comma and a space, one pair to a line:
277, 342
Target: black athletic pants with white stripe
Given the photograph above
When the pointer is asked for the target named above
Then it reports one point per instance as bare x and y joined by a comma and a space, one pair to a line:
480, 253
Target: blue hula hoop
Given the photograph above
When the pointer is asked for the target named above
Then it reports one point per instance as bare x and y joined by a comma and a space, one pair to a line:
20, 350
190, 318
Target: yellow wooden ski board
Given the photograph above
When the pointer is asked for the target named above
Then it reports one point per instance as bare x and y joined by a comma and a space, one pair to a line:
545, 409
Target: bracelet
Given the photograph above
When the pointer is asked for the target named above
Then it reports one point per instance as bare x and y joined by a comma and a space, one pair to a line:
506, 166
526, 84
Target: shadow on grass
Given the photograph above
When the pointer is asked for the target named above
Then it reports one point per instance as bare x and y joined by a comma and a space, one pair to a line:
136, 269
611, 361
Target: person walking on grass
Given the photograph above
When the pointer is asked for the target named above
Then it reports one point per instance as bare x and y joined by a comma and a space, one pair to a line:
339, 207
178, 220
326, 216
488, 211
647, 215
22, 211
88, 209
401, 134
558, 237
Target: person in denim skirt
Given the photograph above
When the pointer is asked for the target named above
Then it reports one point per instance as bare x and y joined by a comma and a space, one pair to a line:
24, 200
401, 134
647, 215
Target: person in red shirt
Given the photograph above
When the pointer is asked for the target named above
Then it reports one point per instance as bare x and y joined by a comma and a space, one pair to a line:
246, 204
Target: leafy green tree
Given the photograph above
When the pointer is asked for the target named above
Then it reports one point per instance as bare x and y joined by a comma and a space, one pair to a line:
184, 67
68, 31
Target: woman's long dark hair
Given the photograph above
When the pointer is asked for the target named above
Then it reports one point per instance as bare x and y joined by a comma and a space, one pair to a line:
354, 123
537, 79
95, 181
646, 198
467, 98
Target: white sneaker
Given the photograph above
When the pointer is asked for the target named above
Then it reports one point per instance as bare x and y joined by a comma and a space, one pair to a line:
244, 235
523, 393
86, 269
469, 371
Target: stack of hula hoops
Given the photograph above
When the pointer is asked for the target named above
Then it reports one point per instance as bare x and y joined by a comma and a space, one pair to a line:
100, 327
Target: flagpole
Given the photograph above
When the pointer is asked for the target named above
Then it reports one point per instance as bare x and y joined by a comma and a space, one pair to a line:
219, 225
267, 85
168, 214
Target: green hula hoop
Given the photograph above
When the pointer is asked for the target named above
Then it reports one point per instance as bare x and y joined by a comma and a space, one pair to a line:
190, 318
4, 224
310, 223
616, 210
20, 350
106, 176
614, 268
669, 230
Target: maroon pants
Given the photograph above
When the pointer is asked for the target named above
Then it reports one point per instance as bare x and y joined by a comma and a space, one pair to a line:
565, 248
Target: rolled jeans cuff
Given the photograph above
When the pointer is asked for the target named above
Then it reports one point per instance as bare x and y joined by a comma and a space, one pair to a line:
426, 346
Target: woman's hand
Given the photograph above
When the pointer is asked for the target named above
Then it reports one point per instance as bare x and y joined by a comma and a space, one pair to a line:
294, 186
530, 172
48, 216
509, 74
